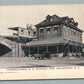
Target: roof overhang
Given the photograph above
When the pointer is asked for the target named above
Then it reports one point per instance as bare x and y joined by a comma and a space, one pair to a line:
19, 39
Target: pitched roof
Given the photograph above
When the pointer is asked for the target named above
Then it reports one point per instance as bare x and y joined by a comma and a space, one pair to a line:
15, 28
47, 22
53, 20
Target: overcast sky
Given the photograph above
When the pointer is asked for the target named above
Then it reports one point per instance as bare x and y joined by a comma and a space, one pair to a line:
13, 16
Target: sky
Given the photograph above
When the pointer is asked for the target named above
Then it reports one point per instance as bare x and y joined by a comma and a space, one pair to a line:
13, 16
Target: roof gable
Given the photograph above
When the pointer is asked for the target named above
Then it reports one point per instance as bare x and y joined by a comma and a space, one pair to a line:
50, 20
54, 20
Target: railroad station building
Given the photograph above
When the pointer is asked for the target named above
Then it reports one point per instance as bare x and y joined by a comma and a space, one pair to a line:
55, 35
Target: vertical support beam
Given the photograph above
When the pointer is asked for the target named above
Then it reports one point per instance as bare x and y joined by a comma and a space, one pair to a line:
22, 51
18, 49
37, 49
15, 49
25, 50
18, 44
57, 48
76, 49
79, 49
72, 49
47, 48
68, 48
68, 51
62, 48
29, 50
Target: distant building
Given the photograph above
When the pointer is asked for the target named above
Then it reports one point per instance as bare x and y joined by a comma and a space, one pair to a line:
13, 43
56, 35
22, 31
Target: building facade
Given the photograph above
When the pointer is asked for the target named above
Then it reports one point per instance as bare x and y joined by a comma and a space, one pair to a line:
11, 45
56, 35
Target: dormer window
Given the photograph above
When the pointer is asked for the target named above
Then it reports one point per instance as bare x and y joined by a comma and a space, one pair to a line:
72, 20
48, 17
66, 20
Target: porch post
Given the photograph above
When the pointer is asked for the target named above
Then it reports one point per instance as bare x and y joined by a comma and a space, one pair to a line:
29, 50
22, 51
57, 49
76, 49
79, 49
68, 48
15, 49
72, 49
47, 48
37, 49
18, 49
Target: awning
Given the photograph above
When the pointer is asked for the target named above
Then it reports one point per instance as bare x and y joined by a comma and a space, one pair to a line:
19, 39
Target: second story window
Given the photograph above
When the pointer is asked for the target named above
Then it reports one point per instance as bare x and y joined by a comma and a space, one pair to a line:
34, 33
56, 29
74, 33
48, 30
22, 31
29, 33
41, 31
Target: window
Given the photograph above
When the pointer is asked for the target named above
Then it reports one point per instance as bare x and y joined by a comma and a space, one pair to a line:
55, 29
22, 31
74, 33
29, 33
34, 33
77, 34
51, 20
66, 20
48, 30
41, 31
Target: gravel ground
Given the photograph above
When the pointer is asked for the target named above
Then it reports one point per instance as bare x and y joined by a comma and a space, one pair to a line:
28, 62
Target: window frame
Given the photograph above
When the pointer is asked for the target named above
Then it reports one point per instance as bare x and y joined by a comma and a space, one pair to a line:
41, 29
48, 30
22, 31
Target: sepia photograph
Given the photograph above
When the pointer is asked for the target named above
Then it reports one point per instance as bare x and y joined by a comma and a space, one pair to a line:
41, 41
